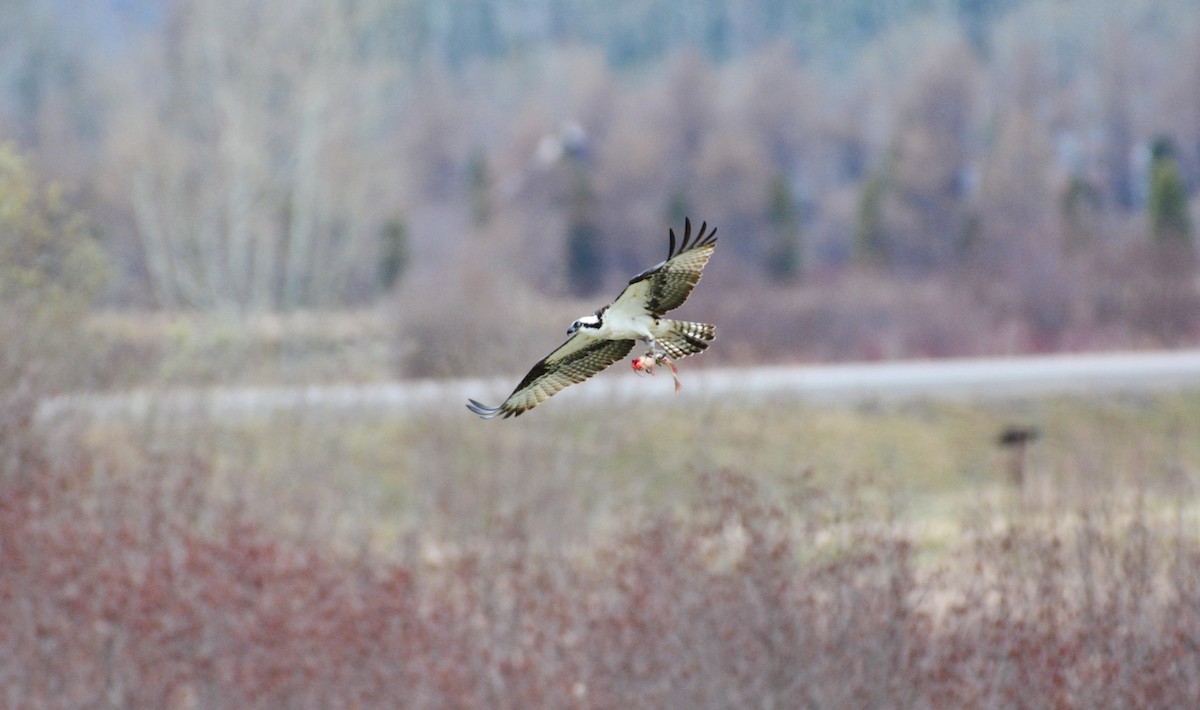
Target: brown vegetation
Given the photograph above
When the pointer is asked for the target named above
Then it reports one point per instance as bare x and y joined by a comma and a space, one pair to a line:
140, 588
589, 562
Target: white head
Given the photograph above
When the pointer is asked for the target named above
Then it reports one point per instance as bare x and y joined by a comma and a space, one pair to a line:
584, 322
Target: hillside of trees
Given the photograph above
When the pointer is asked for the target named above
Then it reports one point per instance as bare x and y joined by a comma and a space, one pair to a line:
900, 178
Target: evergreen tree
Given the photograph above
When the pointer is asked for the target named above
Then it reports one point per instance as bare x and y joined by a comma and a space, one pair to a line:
479, 187
784, 255
585, 269
870, 237
393, 252
1080, 205
1169, 300
1170, 221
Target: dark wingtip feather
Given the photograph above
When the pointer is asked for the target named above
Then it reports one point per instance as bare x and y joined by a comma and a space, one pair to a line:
678, 246
482, 410
701, 239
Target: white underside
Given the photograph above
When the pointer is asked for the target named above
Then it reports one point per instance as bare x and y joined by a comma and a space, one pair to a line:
617, 326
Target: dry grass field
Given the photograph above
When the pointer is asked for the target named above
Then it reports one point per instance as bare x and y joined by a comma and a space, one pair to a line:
774, 555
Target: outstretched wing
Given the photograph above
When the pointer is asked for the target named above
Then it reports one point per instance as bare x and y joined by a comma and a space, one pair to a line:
582, 356
667, 285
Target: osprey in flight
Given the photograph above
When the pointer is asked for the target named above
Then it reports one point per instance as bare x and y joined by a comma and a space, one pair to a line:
599, 340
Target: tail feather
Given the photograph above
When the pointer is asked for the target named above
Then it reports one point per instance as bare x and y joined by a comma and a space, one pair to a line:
684, 338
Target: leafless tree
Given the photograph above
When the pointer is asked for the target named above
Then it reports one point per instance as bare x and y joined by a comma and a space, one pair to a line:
253, 184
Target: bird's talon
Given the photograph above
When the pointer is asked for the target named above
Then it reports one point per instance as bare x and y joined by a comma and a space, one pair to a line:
645, 364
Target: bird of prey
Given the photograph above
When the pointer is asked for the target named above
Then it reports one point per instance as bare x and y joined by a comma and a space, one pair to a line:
599, 340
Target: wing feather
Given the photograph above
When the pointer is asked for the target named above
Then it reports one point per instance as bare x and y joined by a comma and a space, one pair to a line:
580, 357
657, 290
667, 285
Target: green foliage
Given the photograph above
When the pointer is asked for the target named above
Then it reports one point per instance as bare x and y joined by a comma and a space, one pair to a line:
1170, 221
393, 252
785, 258
51, 269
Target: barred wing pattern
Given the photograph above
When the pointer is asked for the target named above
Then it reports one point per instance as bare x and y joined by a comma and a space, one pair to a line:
580, 357
667, 285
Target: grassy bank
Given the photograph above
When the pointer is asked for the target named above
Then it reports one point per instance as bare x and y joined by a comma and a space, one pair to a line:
927, 461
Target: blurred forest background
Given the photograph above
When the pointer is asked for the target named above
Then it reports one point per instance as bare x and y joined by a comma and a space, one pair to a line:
890, 179
261, 192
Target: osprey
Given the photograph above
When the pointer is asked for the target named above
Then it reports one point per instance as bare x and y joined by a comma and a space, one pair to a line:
599, 340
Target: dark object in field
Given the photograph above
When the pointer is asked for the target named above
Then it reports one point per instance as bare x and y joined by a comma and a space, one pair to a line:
1018, 435
1015, 438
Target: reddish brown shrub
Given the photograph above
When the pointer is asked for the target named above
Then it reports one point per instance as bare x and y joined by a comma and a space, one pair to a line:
142, 591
